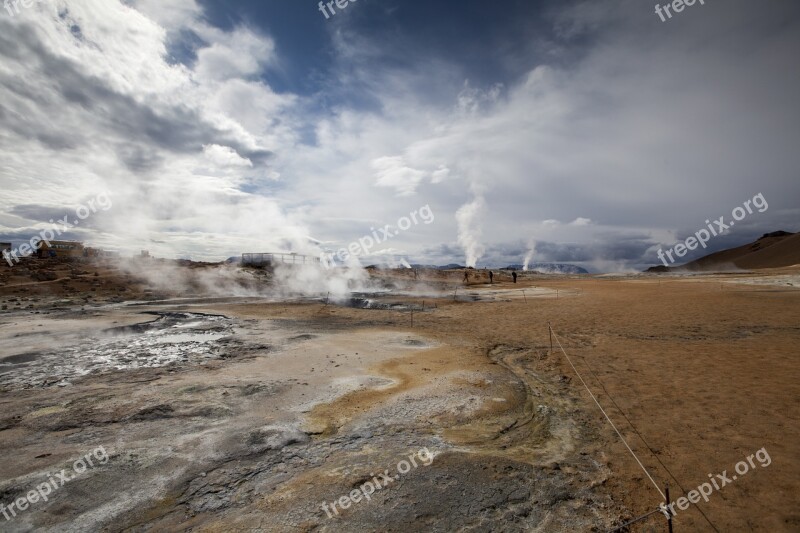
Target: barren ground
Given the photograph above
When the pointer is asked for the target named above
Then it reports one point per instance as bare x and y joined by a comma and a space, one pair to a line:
240, 414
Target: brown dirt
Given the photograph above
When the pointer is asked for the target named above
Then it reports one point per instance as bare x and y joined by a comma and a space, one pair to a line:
704, 368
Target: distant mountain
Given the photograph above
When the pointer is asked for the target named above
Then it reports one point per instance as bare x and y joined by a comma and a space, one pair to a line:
542, 268
451, 266
418, 266
551, 268
772, 250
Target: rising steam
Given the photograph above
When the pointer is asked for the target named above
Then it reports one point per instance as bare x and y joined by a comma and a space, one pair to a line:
469, 229
313, 280
529, 255
283, 281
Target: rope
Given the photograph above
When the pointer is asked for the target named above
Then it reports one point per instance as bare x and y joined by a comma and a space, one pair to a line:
626, 524
606, 415
644, 441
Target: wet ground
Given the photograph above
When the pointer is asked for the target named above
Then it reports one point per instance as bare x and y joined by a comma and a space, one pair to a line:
168, 338
247, 415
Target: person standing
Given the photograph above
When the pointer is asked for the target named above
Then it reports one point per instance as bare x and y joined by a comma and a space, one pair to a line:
514, 275
491, 277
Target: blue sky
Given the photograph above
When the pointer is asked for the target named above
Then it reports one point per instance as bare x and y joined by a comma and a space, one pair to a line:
588, 132
468, 34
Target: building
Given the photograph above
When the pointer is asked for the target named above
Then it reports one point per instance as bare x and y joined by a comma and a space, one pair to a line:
60, 249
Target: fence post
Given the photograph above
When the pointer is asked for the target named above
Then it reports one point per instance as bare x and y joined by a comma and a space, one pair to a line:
669, 516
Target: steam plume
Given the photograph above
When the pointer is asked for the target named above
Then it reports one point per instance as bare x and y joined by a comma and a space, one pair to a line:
529, 255
469, 229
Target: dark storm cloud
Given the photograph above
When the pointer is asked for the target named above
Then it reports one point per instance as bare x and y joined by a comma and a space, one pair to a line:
443, 251
139, 158
617, 248
23, 235
39, 213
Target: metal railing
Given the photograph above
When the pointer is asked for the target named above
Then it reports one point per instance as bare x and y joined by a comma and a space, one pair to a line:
264, 259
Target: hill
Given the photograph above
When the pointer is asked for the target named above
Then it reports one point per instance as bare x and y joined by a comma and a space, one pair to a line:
772, 250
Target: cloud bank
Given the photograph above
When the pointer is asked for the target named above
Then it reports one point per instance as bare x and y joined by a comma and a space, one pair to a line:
605, 136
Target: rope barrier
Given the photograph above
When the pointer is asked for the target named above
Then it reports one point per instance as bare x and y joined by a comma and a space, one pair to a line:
663, 497
626, 524
655, 455
623, 439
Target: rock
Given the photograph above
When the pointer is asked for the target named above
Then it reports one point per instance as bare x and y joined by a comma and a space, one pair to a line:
44, 275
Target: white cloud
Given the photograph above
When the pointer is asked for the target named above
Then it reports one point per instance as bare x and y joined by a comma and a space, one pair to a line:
96, 107
632, 131
471, 100
225, 156
240, 53
393, 172
441, 174
170, 14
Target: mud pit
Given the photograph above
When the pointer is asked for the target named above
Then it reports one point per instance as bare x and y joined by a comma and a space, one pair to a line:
250, 416
170, 338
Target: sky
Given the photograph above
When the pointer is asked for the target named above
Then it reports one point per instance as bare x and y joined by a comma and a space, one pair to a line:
586, 132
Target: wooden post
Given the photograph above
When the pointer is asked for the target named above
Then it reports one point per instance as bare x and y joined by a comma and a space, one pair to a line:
669, 516
454, 294
523, 295
550, 329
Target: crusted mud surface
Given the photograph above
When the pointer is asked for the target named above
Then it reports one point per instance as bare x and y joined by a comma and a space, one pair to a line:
249, 415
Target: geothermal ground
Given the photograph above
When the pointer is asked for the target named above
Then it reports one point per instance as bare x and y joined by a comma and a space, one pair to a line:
262, 413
